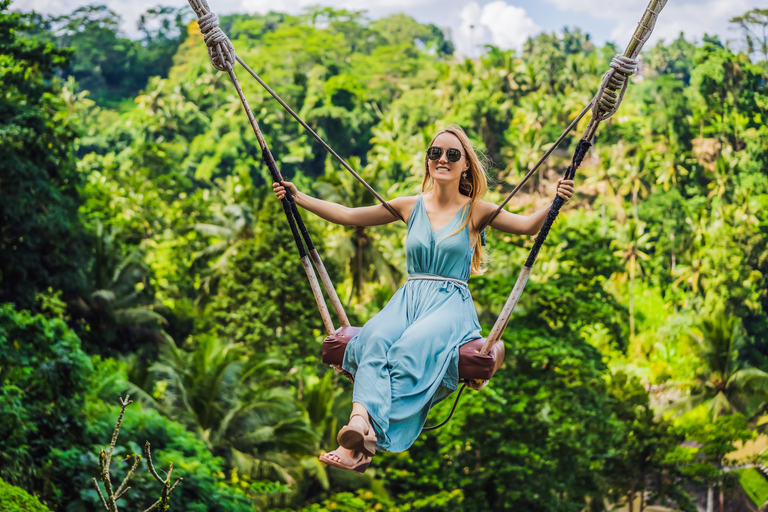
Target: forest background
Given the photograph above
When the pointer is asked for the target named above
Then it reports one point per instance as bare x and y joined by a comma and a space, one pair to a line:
141, 252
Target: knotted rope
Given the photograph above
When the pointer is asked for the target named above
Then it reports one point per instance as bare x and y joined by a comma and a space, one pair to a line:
608, 97
220, 49
223, 57
604, 105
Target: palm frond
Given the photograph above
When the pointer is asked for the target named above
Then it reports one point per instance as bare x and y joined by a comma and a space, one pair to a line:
138, 316
213, 230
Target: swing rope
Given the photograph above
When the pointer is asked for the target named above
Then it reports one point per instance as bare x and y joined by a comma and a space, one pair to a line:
605, 104
223, 57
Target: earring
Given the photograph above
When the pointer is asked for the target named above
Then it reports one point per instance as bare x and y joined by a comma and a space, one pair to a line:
464, 175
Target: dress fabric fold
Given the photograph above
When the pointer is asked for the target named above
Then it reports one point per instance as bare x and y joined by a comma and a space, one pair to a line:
406, 358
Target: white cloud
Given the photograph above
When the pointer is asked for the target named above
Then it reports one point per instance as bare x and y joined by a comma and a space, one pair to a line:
510, 26
496, 23
693, 17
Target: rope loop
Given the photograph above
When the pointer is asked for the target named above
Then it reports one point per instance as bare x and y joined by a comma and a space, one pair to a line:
220, 49
613, 87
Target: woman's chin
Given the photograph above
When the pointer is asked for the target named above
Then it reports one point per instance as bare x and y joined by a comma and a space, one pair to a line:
444, 178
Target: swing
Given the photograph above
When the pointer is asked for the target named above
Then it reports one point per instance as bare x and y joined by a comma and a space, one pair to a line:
481, 358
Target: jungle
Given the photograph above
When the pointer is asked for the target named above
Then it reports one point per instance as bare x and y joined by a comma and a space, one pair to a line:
142, 252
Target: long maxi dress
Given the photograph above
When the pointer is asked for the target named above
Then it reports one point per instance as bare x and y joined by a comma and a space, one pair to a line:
406, 358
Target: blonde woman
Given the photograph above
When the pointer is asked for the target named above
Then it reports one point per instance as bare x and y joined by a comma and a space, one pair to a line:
405, 359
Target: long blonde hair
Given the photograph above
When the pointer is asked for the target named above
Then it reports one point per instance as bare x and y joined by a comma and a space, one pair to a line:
474, 186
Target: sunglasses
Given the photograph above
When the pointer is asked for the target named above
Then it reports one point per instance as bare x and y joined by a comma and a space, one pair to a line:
452, 154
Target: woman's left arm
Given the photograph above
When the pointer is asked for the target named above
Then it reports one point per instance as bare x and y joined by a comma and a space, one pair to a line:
520, 224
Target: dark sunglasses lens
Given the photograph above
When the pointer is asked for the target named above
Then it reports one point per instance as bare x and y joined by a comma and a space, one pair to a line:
453, 155
434, 153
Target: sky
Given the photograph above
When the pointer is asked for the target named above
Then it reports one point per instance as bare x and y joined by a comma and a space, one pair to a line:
472, 24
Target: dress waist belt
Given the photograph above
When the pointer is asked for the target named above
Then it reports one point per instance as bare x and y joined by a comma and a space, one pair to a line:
436, 278
449, 284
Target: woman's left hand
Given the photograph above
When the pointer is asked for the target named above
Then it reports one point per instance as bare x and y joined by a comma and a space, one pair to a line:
565, 189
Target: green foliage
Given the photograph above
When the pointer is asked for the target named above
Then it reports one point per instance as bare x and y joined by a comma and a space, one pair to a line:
106, 63
643, 460
13, 499
715, 440
656, 273
264, 300
755, 485
725, 386
54, 423
44, 381
41, 245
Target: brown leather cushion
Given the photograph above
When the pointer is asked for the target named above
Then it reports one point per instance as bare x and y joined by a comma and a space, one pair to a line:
472, 364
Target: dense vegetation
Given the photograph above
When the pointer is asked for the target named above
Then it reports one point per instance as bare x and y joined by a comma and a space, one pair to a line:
142, 252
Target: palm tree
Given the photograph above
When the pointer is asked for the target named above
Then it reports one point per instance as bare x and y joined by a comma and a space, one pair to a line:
121, 302
725, 385
635, 179
631, 248
325, 405
356, 246
227, 230
223, 395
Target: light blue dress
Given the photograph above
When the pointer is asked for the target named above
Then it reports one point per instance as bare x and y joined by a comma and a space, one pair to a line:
406, 358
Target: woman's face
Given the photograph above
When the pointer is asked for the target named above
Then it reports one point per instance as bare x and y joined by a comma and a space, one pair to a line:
441, 170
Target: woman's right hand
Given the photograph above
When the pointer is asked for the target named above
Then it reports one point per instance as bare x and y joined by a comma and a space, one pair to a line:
279, 189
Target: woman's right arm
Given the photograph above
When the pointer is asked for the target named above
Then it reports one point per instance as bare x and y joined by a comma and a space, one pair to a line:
338, 214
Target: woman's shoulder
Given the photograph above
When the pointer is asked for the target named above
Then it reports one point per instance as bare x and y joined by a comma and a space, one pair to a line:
405, 200
404, 205
482, 210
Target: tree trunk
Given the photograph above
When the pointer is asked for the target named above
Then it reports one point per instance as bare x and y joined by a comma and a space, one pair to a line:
722, 498
604, 225
642, 500
634, 205
674, 259
709, 499
632, 299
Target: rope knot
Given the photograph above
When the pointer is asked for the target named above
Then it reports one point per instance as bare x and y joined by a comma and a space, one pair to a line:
220, 49
613, 87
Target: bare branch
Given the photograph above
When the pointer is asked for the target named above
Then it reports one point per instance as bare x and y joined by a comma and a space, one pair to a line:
165, 496
107, 481
174, 485
98, 490
121, 490
167, 488
124, 403
151, 466
105, 459
153, 506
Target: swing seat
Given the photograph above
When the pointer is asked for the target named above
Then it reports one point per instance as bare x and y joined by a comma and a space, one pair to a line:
472, 364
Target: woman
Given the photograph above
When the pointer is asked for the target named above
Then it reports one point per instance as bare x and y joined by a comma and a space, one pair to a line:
405, 359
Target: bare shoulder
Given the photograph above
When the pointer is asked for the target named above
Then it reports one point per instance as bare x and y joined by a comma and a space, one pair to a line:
404, 205
483, 210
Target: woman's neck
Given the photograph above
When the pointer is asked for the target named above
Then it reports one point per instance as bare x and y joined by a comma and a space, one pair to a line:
446, 194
